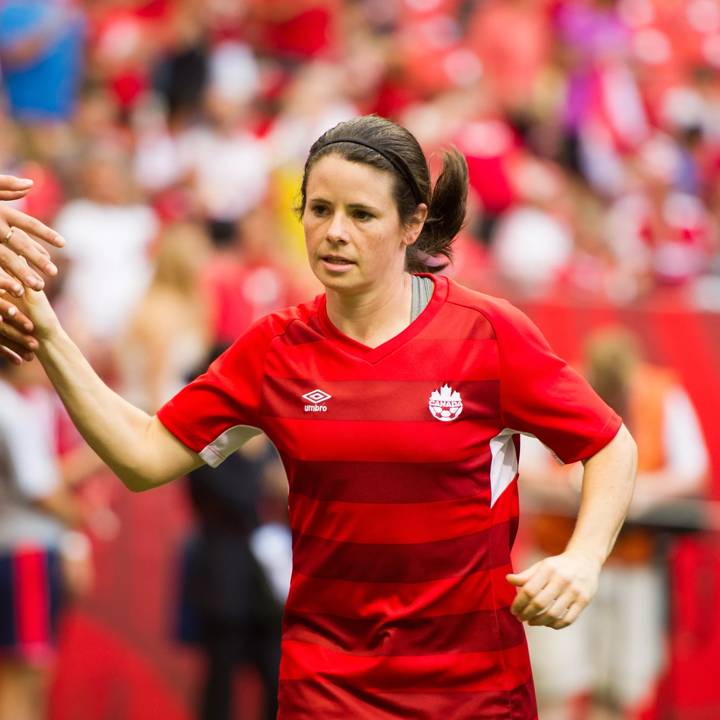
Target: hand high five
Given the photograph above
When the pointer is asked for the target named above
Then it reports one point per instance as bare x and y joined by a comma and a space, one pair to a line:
24, 262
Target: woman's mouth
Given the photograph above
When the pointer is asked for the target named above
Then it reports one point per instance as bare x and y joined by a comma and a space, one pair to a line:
336, 263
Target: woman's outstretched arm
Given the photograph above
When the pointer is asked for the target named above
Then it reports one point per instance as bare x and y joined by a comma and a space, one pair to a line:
135, 445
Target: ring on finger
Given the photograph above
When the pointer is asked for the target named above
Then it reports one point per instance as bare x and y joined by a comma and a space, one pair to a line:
8, 236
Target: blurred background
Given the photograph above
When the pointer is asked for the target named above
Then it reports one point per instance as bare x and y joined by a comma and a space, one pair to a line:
166, 139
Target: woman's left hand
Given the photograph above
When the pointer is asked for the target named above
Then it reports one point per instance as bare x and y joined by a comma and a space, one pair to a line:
554, 591
22, 255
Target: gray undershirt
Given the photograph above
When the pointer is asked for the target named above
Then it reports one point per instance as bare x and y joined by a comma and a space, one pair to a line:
422, 290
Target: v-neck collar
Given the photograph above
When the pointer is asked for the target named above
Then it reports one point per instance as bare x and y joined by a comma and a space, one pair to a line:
373, 355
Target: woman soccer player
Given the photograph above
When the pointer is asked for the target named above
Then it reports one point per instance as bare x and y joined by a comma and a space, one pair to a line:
395, 400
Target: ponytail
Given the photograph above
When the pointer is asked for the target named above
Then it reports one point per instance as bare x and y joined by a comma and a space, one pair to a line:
446, 215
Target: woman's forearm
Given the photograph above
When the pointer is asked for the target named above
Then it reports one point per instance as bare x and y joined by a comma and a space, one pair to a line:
608, 482
126, 438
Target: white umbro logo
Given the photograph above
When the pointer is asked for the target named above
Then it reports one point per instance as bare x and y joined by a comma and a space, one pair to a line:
316, 398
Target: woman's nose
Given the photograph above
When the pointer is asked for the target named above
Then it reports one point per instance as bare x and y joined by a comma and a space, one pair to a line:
338, 229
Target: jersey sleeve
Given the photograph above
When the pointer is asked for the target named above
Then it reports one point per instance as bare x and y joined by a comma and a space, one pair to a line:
540, 394
217, 412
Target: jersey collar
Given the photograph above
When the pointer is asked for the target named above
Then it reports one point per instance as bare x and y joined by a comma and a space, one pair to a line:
376, 354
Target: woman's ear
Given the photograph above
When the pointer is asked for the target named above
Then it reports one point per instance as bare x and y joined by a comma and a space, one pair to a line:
414, 226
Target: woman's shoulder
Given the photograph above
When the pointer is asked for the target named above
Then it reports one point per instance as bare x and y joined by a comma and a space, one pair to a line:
278, 322
490, 306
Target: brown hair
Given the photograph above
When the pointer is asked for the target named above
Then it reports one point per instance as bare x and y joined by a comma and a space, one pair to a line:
384, 145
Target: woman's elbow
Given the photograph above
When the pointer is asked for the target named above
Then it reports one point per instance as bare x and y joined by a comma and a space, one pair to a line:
622, 449
628, 446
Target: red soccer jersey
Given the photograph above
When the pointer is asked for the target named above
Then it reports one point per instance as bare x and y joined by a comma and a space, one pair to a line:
402, 461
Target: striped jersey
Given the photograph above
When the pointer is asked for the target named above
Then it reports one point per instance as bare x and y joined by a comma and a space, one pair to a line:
402, 465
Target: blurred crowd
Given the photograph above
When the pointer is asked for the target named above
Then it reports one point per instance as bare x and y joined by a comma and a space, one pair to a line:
591, 128
166, 141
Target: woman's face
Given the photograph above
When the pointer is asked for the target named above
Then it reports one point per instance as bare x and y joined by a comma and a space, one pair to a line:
353, 233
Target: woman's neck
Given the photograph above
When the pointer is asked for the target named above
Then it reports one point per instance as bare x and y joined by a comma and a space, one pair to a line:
374, 317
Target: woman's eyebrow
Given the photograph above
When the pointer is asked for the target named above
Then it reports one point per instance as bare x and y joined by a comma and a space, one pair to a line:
363, 206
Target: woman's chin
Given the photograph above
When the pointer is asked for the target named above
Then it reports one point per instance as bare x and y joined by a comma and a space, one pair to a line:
345, 280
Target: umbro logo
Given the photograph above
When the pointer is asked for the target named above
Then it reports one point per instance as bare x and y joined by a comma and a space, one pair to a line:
316, 399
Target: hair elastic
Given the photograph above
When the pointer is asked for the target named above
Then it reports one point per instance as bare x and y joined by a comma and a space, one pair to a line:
394, 159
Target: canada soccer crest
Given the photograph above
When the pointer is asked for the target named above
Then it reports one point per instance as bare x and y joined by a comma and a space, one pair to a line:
445, 404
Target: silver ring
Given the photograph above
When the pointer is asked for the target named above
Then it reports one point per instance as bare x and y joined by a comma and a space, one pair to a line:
8, 236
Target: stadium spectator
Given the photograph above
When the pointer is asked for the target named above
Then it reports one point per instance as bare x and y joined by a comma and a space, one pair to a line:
167, 335
110, 232
36, 510
228, 606
245, 277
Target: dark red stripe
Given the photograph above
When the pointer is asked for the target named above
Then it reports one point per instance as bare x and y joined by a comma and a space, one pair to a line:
482, 590
31, 598
431, 442
389, 482
459, 671
417, 562
389, 524
312, 699
394, 523
367, 401
483, 631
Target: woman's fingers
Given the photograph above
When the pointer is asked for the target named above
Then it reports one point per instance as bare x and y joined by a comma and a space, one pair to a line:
545, 599
19, 338
10, 217
13, 188
14, 352
17, 266
532, 586
9, 284
36, 255
555, 612
571, 615
10, 314
556, 590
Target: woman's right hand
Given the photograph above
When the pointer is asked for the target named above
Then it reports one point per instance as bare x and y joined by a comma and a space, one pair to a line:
37, 320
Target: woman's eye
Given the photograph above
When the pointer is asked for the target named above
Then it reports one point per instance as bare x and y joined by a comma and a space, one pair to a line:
319, 210
362, 215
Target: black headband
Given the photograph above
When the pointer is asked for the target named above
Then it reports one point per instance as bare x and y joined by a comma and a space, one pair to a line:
395, 160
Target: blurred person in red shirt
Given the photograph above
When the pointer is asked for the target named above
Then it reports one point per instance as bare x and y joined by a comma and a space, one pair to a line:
124, 40
244, 278
660, 233
295, 31
513, 40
